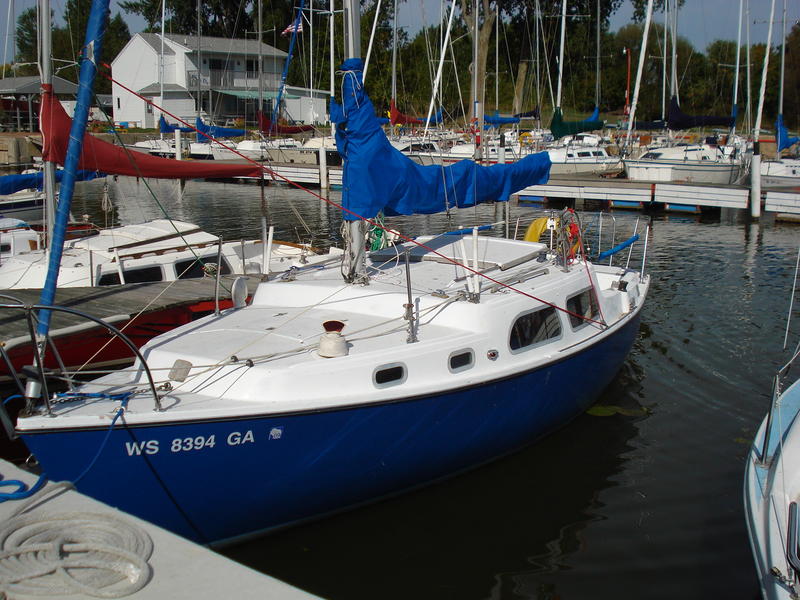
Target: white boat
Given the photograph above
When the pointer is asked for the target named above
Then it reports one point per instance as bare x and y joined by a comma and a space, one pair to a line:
772, 489
346, 381
16, 237
692, 164
159, 250
254, 149
781, 173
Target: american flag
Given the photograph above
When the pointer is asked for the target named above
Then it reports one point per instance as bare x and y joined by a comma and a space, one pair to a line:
291, 27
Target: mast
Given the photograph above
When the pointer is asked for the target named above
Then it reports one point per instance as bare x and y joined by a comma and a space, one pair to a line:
161, 62
749, 111
46, 70
639, 67
673, 81
783, 58
561, 51
199, 74
311, 58
92, 52
260, 66
755, 162
664, 64
497, 61
355, 269
394, 53
332, 50
597, 65
736, 72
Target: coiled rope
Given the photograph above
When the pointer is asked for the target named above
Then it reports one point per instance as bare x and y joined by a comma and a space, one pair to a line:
46, 553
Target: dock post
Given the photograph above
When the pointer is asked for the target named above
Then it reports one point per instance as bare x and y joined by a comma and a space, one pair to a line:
178, 153
755, 182
323, 167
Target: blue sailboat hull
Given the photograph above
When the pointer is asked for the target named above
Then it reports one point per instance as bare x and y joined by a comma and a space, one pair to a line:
214, 481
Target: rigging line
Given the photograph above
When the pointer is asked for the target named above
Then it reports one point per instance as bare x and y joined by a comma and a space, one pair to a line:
370, 221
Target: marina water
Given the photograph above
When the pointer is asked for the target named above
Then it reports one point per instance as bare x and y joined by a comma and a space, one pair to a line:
641, 497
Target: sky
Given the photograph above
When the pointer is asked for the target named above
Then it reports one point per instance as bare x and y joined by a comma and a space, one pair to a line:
700, 21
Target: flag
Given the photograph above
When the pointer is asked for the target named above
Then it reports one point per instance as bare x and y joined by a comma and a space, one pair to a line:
291, 27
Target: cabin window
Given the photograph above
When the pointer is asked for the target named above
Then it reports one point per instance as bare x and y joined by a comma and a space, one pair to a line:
582, 305
193, 267
142, 275
597, 153
117, 102
570, 155
534, 328
5, 247
584, 153
461, 361
389, 375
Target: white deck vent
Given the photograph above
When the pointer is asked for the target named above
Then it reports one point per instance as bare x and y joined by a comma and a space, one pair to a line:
332, 343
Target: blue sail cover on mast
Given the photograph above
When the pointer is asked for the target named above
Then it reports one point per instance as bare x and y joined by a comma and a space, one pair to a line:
782, 135
165, 127
377, 177
216, 132
495, 120
677, 119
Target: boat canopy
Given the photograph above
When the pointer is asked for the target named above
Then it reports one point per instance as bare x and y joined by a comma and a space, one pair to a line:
165, 127
677, 119
216, 132
14, 183
377, 177
98, 155
266, 125
782, 137
560, 128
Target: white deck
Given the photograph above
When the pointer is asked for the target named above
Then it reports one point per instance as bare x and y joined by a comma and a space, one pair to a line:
180, 568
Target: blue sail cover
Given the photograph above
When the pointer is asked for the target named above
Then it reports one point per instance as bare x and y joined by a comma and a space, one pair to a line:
14, 183
165, 127
782, 135
496, 119
216, 132
436, 118
595, 116
377, 177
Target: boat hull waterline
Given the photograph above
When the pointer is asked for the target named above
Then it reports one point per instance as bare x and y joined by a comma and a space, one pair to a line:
275, 470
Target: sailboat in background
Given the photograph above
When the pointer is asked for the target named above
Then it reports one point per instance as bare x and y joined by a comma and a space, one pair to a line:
324, 392
782, 172
708, 162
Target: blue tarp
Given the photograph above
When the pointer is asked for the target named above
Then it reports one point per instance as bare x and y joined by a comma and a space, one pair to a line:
14, 183
377, 177
436, 118
165, 127
782, 135
216, 132
383, 120
496, 119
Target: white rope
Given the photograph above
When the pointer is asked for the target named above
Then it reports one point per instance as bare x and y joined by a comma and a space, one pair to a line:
58, 554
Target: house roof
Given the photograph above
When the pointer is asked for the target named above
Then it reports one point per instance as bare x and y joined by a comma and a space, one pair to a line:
154, 39
32, 85
155, 88
223, 45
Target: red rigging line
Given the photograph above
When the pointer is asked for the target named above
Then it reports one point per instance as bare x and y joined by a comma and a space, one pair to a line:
371, 222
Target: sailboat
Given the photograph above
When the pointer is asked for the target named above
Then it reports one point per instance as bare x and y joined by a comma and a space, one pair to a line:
708, 162
782, 172
352, 380
771, 490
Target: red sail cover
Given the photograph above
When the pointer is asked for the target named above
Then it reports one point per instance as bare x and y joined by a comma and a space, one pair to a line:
398, 118
102, 156
265, 124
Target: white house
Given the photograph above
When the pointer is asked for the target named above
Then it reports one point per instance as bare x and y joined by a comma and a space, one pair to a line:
222, 72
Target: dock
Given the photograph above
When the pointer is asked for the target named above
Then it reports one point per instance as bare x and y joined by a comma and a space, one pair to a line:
126, 556
622, 193
141, 310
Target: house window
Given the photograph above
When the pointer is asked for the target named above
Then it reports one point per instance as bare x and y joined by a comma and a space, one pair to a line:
148, 108
534, 328
582, 305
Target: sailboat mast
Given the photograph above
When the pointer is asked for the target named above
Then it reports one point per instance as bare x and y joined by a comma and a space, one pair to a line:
561, 51
664, 64
161, 62
199, 67
673, 81
260, 64
639, 67
46, 70
332, 50
736, 71
597, 64
394, 53
783, 58
497, 60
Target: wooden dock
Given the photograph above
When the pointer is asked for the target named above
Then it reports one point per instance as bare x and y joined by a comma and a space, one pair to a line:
154, 562
142, 311
622, 193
